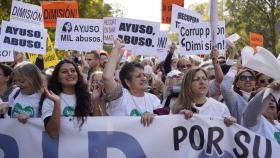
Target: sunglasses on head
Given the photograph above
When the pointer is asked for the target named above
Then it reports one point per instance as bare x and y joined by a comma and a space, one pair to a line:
246, 78
187, 65
263, 81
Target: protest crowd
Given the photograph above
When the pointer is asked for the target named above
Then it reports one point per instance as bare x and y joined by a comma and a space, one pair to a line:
91, 83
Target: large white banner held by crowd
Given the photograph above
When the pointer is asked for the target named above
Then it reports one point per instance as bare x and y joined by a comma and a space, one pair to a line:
196, 38
140, 36
79, 34
27, 13
21, 37
125, 137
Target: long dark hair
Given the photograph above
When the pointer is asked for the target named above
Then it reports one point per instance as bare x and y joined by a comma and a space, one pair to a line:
82, 109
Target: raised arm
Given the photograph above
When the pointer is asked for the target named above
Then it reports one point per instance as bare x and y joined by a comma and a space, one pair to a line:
108, 74
258, 104
218, 70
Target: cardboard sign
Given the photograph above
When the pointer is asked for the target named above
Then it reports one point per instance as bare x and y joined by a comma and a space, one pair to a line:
166, 9
58, 9
79, 34
196, 38
109, 29
182, 15
256, 40
139, 36
23, 38
27, 13
50, 58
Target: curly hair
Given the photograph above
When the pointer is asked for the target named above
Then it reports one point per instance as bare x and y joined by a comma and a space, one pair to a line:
82, 109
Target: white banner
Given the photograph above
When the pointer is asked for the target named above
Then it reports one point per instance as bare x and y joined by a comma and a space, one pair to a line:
139, 36
6, 55
196, 38
181, 15
79, 34
27, 13
23, 38
162, 45
109, 29
124, 137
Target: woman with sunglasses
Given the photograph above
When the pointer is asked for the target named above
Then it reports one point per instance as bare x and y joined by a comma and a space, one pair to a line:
236, 98
261, 113
262, 80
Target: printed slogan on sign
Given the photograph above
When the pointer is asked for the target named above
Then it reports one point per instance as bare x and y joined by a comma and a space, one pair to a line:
21, 37
139, 36
196, 38
79, 34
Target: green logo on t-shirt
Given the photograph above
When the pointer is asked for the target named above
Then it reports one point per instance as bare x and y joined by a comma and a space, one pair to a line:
68, 111
135, 112
18, 109
277, 136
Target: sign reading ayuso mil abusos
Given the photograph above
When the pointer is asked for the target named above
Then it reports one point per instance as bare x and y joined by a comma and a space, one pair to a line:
79, 34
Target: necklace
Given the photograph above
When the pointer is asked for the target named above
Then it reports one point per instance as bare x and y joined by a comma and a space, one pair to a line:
136, 105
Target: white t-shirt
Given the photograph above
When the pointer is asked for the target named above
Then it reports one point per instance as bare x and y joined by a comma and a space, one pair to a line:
213, 108
129, 105
28, 104
268, 130
67, 105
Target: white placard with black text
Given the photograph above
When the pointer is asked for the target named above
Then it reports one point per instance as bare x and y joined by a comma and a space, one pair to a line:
21, 37
79, 34
27, 13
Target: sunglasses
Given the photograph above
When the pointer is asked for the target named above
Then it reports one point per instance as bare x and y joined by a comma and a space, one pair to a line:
263, 81
184, 66
246, 78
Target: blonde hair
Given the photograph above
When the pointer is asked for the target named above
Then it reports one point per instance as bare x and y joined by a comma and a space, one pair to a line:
185, 98
31, 73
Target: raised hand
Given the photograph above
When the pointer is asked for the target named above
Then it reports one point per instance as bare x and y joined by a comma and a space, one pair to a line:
51, 95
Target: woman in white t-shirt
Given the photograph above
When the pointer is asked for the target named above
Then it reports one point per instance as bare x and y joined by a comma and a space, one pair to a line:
193, 98
67, 95
260, 115
24, 100
132, 99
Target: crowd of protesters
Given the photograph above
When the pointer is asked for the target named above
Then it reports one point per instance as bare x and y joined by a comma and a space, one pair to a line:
102, 84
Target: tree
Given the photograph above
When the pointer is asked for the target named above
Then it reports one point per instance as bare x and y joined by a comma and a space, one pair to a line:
258, 16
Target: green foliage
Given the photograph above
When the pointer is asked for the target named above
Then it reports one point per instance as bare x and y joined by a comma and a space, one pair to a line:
258, 16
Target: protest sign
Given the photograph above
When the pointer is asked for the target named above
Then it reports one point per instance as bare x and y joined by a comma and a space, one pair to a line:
6, 55
113, 137
50, 58
182, 15
166, 9
162, 45
79, 34
256, 40
59, 9
109, 29
139, 36
196, 38
23, 38
27, 13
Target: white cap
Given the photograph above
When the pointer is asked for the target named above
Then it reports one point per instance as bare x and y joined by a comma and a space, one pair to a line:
174, 73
